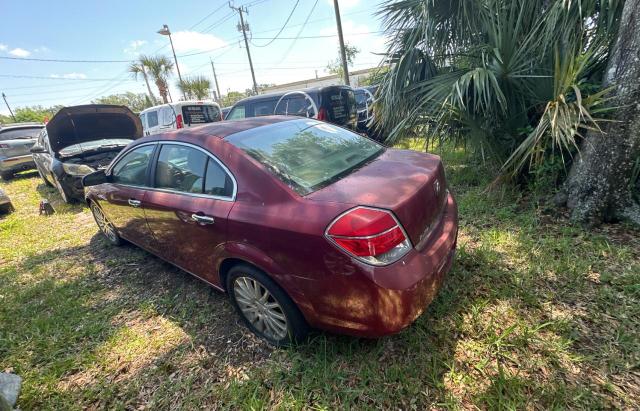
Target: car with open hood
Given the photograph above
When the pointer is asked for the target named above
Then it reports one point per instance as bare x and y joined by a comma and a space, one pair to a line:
79, 140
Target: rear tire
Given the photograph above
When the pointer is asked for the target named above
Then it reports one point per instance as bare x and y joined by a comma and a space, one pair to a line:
7, 175
105, 226
264, 307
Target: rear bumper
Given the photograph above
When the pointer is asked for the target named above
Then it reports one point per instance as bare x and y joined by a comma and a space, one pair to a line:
377, 301
16, 164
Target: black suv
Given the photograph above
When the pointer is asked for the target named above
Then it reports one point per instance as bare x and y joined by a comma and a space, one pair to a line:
334, 104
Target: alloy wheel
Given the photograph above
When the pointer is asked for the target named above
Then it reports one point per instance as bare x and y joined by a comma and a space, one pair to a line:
260, 308
103, 224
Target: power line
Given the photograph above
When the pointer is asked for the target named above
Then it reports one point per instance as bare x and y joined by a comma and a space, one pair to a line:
286, 53
281, 29
54, 78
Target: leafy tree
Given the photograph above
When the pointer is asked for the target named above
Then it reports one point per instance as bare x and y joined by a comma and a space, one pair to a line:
160, 68
33, 113
375, 77
197, 87
136, 102
232, 98
335, 66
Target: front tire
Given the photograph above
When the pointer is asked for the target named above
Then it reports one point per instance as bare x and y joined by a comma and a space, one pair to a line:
66, 196
105, 226
46, 182
264, 307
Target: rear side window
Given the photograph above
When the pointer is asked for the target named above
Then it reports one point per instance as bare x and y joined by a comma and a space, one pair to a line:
306, 154
297, 104
132, 167
236, 113
264, 108
152, 119
20, 133
167, 117
200, 114
180, 168
217, 181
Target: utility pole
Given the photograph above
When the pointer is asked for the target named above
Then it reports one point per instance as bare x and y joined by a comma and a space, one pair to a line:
244, 28
343, 53
5, 102
166, 32
215, 78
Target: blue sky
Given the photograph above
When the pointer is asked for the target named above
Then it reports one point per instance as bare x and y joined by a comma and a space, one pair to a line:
119, 30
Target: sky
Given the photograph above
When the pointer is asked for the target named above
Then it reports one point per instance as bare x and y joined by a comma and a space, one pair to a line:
118, 31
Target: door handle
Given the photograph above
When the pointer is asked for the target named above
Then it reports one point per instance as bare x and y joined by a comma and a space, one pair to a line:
202, 219
134, 203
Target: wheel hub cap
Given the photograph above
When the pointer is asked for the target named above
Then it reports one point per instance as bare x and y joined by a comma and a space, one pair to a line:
260, 308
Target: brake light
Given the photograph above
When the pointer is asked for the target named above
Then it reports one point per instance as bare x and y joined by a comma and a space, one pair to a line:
179, 121
322, 114
371, 235
4, 145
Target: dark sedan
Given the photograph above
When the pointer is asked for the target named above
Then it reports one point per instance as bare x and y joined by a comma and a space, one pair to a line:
303, 223
79, 140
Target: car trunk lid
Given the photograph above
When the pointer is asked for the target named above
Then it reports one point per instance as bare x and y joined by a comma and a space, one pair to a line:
410, 184
16, 142
340, 104
80, 124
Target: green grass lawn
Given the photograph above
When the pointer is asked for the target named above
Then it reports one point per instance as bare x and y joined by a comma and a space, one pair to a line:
535, 314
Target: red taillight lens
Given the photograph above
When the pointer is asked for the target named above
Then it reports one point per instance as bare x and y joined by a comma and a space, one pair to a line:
4, 145
179, 121
322, 114
370, 234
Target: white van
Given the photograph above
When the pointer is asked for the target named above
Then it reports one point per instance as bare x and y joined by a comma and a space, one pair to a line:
183, 114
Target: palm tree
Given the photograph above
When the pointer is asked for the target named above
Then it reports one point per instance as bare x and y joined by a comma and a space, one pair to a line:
160, 68
196, 87
137, 68
516, 79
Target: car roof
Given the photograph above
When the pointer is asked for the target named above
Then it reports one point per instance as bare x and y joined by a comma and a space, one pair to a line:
220, 129
276, 94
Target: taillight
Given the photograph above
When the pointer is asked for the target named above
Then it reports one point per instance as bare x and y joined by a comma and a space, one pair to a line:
322, 114
371, 235
179, 121
4, 145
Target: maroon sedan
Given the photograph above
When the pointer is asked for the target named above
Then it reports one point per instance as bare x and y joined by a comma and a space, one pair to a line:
303, 223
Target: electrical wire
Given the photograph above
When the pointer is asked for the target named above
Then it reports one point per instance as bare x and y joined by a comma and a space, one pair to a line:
286, 53
281, 29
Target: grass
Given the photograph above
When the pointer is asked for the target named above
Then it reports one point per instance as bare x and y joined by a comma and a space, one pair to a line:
535, 314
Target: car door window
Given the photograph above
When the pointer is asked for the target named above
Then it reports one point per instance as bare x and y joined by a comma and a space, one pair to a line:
180, 168
264, 108
236, 113
132, 167
217, 181
152, 119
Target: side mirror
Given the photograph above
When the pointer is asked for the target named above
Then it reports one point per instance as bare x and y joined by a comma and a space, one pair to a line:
37, 149
96, 178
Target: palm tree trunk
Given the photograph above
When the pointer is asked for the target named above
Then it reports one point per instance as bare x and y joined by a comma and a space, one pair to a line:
598, 186
146, 80
162, 89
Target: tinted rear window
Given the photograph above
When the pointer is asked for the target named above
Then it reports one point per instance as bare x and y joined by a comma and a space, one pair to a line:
307, 154
19, 133
200, 114
340, 104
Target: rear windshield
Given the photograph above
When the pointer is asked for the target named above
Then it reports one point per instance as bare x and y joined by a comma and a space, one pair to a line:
200, 114
19, 133
306, 154
340, 103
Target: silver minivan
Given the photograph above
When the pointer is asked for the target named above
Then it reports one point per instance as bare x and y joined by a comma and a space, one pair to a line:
182, 114
15, 141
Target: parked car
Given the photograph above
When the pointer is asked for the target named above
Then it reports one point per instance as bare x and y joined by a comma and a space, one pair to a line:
303, 223
15, 141
79, 140
183, 114
5, 203
225, 111
334, 104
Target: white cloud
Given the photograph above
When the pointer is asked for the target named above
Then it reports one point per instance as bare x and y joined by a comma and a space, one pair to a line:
134, 46
18, 52
345, 4
185, 41
3, 47
73, 75
41, 49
